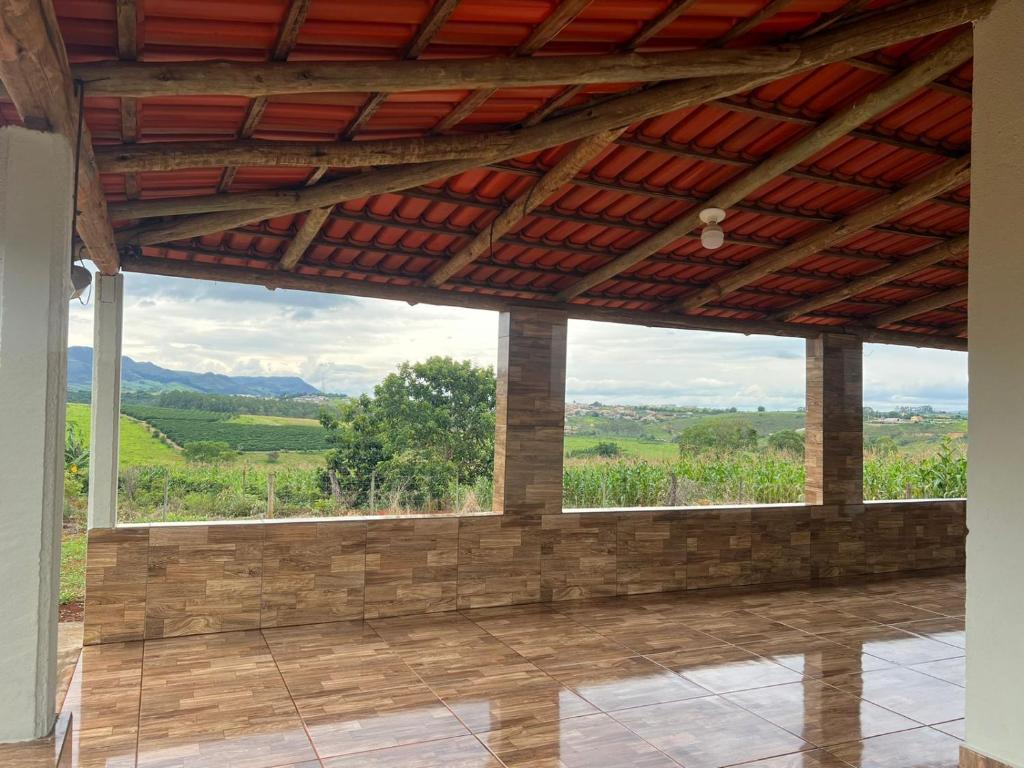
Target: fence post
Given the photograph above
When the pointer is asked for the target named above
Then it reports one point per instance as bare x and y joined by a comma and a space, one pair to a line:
373, 491
167, 491
270, 495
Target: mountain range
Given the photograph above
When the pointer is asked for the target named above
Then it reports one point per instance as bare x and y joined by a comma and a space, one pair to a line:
137, 376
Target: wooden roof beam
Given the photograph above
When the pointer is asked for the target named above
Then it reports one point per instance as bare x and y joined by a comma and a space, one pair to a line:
914, 308
951, 175
561, 174
658, 24
752, 22
935, 255
34, 69
287, 37
547, 30
891, 93
417, 294
876, 33
252, 80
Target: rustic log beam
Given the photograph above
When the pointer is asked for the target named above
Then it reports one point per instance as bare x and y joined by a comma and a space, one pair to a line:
438, 15
914, 308
561, 174
272, 278
752, 22
300, 242
951, 175
891, 93
287, 36
828, 19
829, 47
909, 266
34, 69
563, 13
223, 78
657, 25
128, 50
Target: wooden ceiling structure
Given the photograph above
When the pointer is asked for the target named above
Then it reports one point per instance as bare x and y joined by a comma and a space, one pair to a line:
554, 153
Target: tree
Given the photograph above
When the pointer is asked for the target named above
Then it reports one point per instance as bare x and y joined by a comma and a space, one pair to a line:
787, 441
718, 434
207, 451
428, 425
760, 409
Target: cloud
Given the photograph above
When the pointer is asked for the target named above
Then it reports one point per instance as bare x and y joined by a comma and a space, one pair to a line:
348, 344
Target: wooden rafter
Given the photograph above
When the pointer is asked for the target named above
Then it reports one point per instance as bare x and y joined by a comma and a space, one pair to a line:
932, 256
656, 25
752, 22
919, 307
556, 178
252, 80
817, 51
34, 69
828, 19
128, 50
542, 34
437, 16
287, 36
891, 93
950, 175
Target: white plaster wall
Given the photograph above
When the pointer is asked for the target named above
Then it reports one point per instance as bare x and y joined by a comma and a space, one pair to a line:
995, 508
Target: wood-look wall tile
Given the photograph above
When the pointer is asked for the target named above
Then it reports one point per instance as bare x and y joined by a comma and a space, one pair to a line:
203, 578
780, 544
115, 585
411, 566
578, 558
651, 552
499, 560
837, 541
903, 536
313, 572
718, 548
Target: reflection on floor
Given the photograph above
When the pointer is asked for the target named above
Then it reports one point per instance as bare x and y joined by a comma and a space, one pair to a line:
868, 676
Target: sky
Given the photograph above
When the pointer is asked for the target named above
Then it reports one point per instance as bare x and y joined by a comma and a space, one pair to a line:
347, 344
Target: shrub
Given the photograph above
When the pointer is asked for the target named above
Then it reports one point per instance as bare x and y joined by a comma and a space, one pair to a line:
207, 451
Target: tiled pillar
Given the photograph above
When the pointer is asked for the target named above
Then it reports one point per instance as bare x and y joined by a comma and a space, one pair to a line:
834, 437
529, 432
35, 259
995, 518
106, 400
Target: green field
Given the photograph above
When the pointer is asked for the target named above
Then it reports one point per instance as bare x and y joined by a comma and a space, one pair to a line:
630, 446
138, 446
277, 421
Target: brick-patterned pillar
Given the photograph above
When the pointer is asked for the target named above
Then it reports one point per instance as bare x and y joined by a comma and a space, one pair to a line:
834, 435
529, 429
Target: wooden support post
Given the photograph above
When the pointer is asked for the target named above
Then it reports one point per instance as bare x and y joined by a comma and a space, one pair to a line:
530, 425
834, 428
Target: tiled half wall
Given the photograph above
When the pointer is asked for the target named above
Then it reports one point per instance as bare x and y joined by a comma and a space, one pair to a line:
171, 580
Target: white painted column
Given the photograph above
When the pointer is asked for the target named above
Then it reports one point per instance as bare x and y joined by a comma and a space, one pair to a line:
105, 432
35, 244
995, 499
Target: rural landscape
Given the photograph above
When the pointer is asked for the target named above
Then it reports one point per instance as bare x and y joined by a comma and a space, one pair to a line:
201, 446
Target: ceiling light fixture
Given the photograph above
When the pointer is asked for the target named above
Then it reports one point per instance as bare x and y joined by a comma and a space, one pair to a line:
712, 236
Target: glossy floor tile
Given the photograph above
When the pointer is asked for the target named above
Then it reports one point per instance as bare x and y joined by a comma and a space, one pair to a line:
726, 669
920, 748
863, 675
819, 713
912, 694
709, 732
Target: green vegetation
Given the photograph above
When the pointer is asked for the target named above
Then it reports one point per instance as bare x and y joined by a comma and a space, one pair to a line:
787, 441
208, 451
72, 568
717, 434
427, 433
186, 426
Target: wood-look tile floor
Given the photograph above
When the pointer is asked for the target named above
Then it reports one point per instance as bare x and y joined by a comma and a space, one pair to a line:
834, 677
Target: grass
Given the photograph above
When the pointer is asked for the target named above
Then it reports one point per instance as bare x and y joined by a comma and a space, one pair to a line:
630, 446
247, 418
72, 568
138, 446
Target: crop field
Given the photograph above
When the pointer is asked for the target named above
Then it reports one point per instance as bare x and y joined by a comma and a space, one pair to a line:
138, 445
185, 426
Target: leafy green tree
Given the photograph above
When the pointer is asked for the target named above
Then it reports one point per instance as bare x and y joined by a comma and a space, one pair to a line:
718, 434
207, 451
787, 441
429, 425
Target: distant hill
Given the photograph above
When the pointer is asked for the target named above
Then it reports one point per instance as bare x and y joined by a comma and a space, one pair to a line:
148, 377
